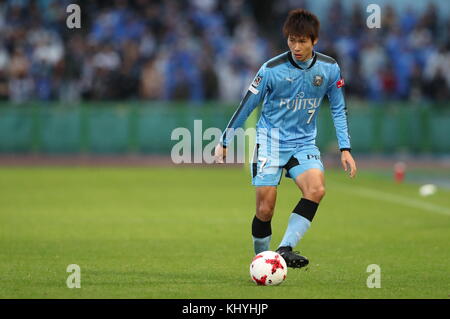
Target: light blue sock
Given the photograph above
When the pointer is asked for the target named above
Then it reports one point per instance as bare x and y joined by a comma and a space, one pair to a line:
296, 228
261, 244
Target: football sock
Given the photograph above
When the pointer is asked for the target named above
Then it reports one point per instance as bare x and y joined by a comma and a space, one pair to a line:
299, 222
261, 244
261, 234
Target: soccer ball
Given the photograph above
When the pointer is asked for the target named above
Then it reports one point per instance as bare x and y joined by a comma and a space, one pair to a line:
268, 269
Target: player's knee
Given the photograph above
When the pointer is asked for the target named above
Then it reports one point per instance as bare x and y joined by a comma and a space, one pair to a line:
315, 193
265, 210
321, 192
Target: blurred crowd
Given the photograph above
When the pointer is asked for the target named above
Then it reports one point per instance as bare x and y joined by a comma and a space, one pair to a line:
200, 50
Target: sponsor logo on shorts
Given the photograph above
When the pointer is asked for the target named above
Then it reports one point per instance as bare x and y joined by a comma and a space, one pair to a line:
316, 157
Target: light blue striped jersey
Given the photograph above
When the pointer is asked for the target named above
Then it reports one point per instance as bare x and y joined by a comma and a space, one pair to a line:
291, 99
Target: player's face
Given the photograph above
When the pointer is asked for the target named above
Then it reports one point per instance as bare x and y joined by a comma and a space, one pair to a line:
301, 47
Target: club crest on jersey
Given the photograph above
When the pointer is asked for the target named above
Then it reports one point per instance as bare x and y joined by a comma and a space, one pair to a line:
318, 79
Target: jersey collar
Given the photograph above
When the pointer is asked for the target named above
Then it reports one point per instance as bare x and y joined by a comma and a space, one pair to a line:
291, 59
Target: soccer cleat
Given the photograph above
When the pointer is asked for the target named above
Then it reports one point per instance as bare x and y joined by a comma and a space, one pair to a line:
292, 258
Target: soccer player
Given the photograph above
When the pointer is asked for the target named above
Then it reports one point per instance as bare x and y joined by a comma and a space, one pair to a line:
291, 86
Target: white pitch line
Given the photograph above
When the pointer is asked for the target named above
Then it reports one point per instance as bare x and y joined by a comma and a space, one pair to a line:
397, 199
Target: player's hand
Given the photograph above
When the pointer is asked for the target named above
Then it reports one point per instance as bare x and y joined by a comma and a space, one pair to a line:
348, 163
220, 153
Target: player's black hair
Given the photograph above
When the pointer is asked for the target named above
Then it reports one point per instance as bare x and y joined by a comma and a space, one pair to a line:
301, 22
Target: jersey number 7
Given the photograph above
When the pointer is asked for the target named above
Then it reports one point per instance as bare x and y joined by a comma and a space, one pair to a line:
311, 116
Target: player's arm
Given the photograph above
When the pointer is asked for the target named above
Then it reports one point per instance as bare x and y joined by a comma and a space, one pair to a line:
339, 113
255, 93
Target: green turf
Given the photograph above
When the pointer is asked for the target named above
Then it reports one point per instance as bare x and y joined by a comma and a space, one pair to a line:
185, 233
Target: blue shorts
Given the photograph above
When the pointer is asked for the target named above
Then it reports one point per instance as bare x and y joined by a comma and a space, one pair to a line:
267, 165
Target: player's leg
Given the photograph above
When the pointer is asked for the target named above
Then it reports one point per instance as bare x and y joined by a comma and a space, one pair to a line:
307, 172
261, 226
266, 175
312, 185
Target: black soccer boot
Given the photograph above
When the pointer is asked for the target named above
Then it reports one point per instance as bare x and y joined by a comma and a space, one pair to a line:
292, 258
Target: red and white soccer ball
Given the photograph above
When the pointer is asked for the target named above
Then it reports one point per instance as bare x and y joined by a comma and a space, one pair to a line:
268, 269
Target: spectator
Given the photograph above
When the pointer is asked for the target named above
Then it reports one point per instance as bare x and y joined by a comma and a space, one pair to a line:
151, 81
20, 83
207, 49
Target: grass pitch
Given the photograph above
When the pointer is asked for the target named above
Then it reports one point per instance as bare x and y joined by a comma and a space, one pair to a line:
185, 233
